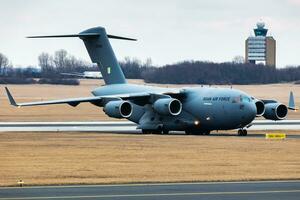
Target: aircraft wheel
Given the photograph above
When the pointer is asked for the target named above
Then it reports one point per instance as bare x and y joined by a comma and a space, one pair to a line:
240, 132
165, 131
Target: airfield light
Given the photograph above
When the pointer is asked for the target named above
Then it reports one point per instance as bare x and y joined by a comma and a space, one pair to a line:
21, 182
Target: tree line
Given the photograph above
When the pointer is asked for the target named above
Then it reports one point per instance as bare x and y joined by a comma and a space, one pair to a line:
197, 72
209, 73
185, 72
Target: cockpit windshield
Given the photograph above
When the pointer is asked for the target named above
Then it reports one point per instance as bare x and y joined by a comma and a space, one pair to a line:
241, 99
245, 99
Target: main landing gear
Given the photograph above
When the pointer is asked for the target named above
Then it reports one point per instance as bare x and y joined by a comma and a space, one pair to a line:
242, 132
159, 131
197, 132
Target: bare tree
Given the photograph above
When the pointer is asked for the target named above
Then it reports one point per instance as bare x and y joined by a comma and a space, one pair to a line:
60, 59
4, 63
46, 64
238, 60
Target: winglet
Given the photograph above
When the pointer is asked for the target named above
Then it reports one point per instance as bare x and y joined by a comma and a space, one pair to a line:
292, 102
10, 98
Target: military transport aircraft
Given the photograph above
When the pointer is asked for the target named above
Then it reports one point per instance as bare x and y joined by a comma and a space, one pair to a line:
85, 74
196, 110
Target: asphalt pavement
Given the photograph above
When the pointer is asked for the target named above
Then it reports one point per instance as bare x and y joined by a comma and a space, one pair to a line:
258, 190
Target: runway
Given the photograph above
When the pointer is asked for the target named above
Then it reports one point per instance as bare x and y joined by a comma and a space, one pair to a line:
258, 190
124, 126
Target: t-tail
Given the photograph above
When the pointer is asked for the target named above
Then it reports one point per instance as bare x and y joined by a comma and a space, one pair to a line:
100, 51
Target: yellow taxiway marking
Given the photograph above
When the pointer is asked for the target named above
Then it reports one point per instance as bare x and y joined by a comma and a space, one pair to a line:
152, 184
275, 136
157, 194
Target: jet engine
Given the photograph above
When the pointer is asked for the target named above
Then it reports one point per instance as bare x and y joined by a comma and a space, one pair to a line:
167, 106
260, 108
275, 111
118, 109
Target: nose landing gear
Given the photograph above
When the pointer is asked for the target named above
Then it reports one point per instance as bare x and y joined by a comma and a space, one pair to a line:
242, 132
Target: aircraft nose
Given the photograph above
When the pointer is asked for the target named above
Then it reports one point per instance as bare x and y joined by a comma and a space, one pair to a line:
249, 113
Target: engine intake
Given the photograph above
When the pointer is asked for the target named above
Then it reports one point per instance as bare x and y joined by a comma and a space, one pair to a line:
275, 111
118, 109
260, 108
168, 106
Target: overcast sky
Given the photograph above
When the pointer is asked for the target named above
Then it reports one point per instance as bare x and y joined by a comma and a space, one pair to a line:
168, 31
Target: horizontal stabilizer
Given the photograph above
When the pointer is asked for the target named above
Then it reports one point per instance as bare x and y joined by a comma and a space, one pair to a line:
120, 38
72, 35
82, 35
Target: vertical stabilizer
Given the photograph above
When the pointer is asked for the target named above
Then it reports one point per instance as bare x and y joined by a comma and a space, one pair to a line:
101, 53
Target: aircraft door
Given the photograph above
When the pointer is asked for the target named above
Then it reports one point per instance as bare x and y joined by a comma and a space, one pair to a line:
208, 113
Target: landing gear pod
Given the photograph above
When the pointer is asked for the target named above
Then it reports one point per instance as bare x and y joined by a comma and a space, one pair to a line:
275, 111
118, 109
168, 106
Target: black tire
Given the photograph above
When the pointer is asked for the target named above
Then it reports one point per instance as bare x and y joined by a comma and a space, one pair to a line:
165, 131
240, 132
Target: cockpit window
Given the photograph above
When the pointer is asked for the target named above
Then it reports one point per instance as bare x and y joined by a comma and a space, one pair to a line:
245, 99
235, 99
240, 99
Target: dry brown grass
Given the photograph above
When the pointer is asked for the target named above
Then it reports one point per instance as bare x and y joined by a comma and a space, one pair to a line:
70, 158
88, 112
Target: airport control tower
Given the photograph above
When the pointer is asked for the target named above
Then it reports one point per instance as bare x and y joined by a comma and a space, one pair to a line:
261, 48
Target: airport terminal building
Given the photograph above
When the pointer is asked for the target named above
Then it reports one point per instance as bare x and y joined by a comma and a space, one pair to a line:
260, 48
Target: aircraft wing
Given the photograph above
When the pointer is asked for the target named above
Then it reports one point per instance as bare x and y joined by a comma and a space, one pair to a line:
71, 102
139, 98
290, 106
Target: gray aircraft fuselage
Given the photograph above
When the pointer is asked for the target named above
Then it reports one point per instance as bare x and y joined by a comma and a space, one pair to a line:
204, 108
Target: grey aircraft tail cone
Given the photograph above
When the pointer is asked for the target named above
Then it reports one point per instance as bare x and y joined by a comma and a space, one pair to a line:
100, 51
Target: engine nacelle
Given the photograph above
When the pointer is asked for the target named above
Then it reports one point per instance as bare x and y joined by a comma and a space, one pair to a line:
168, 106
275, 111
260, 108
118, 109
